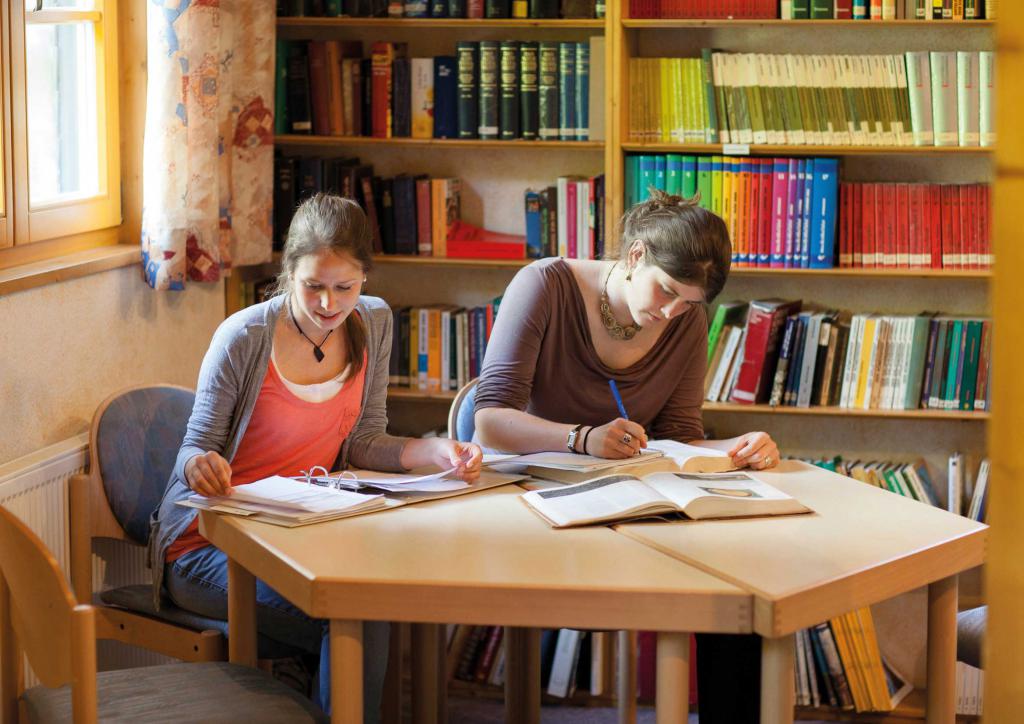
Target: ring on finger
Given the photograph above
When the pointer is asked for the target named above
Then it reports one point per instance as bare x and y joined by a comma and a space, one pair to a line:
626, 439
768, 461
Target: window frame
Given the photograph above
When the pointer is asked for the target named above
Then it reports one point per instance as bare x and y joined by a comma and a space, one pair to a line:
6, 161
72, 217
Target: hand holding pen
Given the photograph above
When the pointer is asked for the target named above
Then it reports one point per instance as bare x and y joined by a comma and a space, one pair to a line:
618, 439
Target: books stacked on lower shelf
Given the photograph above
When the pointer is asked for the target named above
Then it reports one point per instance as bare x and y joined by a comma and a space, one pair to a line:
571, 660
773, 351
440, 347
970, 689
839, 664
442, 9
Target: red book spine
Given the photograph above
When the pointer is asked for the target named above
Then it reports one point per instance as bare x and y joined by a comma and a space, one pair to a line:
885, 221
570, 220
959, 235
424, 239
946, 209
318, 87
986, 226
971, 225
914, 225
382, 55
868, 225
475, 9
483, 667
902, 225
856, 225
763, 325
764, 215
646, 670
935, 224
844, 9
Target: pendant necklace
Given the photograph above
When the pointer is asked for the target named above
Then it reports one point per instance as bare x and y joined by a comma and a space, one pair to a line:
615, 330
317, 351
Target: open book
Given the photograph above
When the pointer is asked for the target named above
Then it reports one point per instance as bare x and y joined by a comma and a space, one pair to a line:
660, 456
619, 497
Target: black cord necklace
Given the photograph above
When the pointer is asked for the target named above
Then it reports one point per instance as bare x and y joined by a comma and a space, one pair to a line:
317, 352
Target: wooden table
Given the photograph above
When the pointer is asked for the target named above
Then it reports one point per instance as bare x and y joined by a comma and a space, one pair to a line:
479, 559
863, 545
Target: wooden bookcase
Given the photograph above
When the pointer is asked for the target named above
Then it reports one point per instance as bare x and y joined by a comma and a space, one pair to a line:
495, 173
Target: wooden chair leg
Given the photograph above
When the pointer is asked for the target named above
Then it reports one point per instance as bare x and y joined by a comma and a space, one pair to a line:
391, 706
10, 660
625, 656
522, 675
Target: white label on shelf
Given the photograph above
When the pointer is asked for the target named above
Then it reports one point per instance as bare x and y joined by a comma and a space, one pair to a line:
736, 149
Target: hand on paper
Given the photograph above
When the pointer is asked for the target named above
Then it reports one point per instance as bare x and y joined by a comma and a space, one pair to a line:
209, 474
755, 450
465, 457
617, 439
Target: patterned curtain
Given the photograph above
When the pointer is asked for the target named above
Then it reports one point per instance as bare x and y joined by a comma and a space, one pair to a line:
208, 153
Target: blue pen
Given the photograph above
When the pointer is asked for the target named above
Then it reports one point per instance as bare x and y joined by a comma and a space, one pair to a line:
618, 400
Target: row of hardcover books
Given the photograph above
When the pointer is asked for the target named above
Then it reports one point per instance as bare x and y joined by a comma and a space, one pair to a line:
473, 9
567, 219
839, 664
921, 98
780, 212
439, 347
816, 9
407, 214
489, 90
913, 480
970, 689
772, 352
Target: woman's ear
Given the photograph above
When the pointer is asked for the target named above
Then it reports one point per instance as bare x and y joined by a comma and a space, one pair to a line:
637, 251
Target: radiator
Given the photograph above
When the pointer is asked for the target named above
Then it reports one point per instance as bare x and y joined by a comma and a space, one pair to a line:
35, 488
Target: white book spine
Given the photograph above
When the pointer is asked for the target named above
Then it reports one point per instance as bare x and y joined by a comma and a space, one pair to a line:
987, 97
563, 667
967, 96
944, 100
852, 357
954, 483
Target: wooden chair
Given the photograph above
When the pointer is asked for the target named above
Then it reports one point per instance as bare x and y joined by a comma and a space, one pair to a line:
461, 424
133, 444
39, 612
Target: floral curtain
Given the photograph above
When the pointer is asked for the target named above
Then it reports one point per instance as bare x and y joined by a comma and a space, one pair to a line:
208, 153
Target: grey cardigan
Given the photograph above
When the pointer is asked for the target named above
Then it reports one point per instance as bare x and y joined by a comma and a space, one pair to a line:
229, 382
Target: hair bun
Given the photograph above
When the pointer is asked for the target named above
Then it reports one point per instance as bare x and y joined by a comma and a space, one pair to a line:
661, 199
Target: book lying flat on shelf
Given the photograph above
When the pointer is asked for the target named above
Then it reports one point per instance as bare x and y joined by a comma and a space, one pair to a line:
619, 497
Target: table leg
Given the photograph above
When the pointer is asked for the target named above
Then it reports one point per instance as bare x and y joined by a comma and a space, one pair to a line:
941, 706
777, 657
391, 706
625, 661
241, 615
346, 671
673, 678
522, 675
427, 691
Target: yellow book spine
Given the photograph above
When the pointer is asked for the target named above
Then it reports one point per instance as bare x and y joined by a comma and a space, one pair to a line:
727, 195
838, 627
876, 672
864, 368
666, 82
433, 350
414, 346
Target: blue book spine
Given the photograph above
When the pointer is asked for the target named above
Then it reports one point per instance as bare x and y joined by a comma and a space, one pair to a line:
805, 213
646, 179
534, 245
660, 169
791, 212
446, 102
824, 203
632, 179
567, 91
860, 9
689, 176
582, 95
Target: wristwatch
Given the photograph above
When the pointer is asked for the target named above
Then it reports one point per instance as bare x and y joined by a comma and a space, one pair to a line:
570, 442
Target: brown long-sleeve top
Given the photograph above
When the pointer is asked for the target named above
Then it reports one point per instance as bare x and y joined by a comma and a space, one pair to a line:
541, 359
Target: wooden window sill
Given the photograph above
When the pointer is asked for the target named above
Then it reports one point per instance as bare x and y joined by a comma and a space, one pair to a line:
68, 266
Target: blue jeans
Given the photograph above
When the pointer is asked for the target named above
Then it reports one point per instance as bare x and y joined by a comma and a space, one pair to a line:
198, 581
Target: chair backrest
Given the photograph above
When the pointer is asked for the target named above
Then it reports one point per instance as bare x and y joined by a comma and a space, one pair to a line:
42, 605
461, 425
136, 435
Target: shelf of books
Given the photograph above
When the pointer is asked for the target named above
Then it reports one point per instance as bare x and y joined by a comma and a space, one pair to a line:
840, 411
788, 24
767, 149
509, 145
440, 22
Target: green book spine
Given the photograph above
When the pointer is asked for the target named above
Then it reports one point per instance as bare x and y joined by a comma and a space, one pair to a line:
510, 83
674, 174
548, 91
715, 330
332, 8
955, 346
567, 91
915, 368
710, 97
632, 172
528, 91
969, 385
689, 189
647, 178
468, 54
489, 51
939, 364
581, 97
281, 87
704, 181
820, 9
801, 9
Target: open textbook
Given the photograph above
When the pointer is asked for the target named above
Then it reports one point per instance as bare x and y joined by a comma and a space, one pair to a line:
619, 496
659, 456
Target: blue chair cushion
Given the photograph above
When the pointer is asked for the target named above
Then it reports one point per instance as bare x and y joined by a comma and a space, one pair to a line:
139, 599
970, 634
137, 444
465, 425
206, 692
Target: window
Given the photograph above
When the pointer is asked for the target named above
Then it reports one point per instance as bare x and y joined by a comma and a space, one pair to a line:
60, 99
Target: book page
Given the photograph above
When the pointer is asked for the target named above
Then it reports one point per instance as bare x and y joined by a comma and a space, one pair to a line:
693, 458
572, 461
705, 495
282, 492
609, 498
